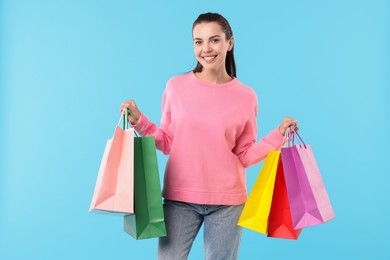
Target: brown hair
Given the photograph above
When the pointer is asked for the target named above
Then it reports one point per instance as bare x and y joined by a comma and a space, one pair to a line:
230, 64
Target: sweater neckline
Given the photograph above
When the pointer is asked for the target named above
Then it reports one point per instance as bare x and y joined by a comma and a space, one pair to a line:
213, 85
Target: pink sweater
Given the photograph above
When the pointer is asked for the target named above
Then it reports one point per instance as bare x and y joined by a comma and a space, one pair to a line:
209, 132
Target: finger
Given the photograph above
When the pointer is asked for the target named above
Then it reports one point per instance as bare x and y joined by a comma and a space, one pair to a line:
123, 109
132, 104
127, 104
293, 122
123, 106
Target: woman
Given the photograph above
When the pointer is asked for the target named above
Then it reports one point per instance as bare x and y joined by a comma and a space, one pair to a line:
208, 128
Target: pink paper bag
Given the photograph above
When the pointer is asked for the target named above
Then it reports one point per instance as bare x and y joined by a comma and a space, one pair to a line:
316, 183
309, 202
114, 187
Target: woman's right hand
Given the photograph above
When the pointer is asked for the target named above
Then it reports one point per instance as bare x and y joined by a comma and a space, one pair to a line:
135, 113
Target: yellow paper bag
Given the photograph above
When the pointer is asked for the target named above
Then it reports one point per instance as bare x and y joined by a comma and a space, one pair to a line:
256, 210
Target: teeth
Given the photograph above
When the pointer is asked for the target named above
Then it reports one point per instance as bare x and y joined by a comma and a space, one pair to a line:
209, 58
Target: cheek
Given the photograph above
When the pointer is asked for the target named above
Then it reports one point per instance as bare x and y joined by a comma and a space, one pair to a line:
197, 50
223, 48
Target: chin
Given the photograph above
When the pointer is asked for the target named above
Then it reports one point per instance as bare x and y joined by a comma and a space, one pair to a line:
208, 66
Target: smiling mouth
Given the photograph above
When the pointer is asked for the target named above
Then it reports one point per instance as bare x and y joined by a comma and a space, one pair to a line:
209, 58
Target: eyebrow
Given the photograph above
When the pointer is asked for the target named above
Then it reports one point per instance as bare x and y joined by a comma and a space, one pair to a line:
215, 36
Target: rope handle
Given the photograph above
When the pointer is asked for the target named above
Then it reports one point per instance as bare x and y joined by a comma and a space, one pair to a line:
291, 140
126, 112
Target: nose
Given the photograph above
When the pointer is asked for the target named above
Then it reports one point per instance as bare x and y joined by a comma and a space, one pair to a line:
207, 47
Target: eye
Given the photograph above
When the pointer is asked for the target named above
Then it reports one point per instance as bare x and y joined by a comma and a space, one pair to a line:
215, 40
198, 42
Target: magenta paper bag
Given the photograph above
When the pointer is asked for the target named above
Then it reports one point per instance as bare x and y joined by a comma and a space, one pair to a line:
305, 190
114, 187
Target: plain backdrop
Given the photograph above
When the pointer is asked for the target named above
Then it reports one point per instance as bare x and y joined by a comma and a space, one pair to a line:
66, 65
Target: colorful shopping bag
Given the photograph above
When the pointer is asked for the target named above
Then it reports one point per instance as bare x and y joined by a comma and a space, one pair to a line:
114, 186
315, 181
148, 220
306, 192
257, 207
280, 222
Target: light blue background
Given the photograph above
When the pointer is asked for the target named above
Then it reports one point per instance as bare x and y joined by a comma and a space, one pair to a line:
67, 65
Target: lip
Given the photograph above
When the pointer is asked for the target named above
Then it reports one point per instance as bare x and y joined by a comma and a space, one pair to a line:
209, 58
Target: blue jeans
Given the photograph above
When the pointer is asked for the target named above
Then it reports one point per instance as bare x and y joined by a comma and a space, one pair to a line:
183, 220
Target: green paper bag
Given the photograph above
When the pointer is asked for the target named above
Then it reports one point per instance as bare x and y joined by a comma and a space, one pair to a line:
148, 219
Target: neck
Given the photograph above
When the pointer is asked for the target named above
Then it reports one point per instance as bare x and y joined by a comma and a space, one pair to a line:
213, 76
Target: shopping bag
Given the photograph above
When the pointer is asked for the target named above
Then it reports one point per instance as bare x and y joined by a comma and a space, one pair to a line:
304, 185
114, 186
257, 207
280, 222
148, 220
315, 181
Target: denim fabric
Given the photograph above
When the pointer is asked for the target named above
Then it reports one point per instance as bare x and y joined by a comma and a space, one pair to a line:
183, 220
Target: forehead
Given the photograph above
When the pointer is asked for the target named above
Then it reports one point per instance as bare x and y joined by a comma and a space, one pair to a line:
206, 30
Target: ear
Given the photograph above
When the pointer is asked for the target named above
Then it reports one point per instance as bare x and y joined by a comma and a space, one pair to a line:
231, 43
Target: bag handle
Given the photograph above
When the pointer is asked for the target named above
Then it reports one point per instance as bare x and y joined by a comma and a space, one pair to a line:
125, 121
292, 133
125, 112
285, 139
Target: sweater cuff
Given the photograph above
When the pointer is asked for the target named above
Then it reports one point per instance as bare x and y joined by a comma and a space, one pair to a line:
143, 125
138, 122
138, 126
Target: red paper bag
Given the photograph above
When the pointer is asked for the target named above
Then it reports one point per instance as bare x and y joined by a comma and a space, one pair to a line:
280, 222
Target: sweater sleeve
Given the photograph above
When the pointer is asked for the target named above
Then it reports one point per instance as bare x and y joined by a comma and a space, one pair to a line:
161, 134
248, 151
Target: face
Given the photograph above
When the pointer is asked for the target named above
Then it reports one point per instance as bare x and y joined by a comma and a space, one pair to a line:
211, 45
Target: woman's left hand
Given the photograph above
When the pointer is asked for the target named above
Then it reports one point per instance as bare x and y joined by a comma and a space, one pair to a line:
287, 122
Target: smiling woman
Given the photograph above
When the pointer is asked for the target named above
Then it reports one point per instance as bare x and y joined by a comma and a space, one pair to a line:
213, 38
207, 187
